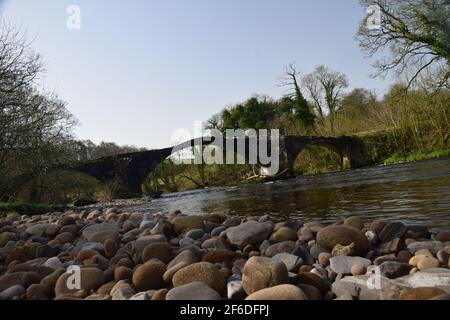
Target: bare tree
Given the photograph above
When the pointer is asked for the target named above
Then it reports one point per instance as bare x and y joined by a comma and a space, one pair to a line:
417, 33
34, 124
326, 91
304, 115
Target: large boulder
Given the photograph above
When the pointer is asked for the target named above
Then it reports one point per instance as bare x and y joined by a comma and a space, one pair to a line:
331, 236
262, 272
250, 232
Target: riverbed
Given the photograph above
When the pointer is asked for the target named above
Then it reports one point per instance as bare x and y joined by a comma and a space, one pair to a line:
415, 192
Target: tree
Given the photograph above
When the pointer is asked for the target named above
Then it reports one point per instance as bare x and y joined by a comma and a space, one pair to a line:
417, 33
302, 110
34, 125
325, 89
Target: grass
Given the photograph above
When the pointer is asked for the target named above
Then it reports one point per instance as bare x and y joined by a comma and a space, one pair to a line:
28, 208
416, 156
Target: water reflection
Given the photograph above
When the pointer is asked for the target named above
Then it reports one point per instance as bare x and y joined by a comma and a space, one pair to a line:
415, 192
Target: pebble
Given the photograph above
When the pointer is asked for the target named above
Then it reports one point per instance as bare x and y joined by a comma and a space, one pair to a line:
235, 290
354, 222
432, 246
340, 250
284, 234
250, 232
392, 269
54, 263
305, 234
184, 224
358, 269
149, 275
316, 250
193, 291
392, 230
159, 250
421, 293
427, 263
11, 292
200, 272
292, 262
279, 292
91, 279
333, 235
344, 264
195, 234
324, 258
123, 273
443, 236
262, 272
122, 291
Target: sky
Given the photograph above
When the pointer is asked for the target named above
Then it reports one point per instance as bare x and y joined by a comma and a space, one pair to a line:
138, 70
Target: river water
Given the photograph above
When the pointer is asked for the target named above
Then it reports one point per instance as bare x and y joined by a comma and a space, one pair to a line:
416, 193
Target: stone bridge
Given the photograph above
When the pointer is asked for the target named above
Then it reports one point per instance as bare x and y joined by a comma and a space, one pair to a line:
131, 169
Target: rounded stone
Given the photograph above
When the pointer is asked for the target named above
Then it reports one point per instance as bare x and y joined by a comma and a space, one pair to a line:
30, 278
91, 278
193, 291
354, 222
378, 225
186, 256
284, 234
305, 234
65, 221
122, 273
324, 258
333, 235
443, 236
53, 263
181, 225
38, 292
110, 248
160, 294
219, 256
358, 269
421, 293
200, 272
280, 292
159, 250
428, 263
262, 272
64, 237
149, 275
195, 234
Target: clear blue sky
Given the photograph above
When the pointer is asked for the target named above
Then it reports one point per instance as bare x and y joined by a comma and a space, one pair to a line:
137, 70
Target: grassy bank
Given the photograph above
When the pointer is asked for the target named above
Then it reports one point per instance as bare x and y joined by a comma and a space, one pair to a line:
29, 208
417, 156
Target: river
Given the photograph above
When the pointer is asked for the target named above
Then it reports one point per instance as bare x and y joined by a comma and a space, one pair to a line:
415, 192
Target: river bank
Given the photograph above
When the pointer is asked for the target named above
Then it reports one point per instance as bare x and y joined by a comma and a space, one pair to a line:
141, 256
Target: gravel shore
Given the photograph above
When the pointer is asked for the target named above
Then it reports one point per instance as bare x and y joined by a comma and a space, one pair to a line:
113, 254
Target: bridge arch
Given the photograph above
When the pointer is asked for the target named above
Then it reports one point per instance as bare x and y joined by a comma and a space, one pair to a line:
131, 169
